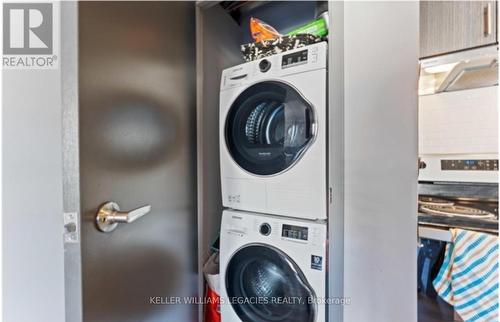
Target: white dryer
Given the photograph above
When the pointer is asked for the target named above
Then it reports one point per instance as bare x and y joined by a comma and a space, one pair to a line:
272, 269
273, 134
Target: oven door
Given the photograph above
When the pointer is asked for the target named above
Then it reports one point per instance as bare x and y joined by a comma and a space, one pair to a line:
268, 127
266, 285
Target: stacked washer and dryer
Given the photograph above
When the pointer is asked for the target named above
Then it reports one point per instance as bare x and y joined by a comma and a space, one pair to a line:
273, 152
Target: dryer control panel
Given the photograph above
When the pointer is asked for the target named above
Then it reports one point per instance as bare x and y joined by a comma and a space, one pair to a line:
299, 60
294, 59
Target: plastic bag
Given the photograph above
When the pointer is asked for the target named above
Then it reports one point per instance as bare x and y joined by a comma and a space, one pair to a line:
211, 272
262, 31
318, 27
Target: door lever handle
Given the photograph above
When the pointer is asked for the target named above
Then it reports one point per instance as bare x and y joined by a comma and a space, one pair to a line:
109, 215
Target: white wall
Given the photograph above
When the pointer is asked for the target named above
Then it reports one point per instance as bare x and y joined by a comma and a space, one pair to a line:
381, 64
33, 258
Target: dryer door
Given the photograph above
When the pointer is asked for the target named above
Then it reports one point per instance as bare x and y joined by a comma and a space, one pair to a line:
265, 285
268, 128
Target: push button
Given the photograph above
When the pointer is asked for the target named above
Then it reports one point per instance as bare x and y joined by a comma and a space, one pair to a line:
264, 65
265, 229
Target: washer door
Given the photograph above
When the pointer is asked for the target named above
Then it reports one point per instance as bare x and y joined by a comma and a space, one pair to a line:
268, 128
264, 285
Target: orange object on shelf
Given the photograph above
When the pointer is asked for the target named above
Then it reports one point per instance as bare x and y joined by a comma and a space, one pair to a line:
262, 31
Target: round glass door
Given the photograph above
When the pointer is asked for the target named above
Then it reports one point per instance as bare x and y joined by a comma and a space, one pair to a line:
268, 128
265, 285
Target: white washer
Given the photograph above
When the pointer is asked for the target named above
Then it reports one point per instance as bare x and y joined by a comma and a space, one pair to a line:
273, 269
273, 128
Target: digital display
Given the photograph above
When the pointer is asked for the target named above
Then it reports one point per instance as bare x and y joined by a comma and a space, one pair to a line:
470, 165
294, 232
294, 59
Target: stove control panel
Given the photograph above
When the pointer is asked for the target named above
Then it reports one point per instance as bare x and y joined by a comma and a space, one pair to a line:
470, 165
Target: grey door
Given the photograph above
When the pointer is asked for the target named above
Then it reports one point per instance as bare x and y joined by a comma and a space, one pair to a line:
137, 147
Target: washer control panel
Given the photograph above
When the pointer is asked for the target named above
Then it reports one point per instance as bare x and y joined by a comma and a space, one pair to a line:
295, 232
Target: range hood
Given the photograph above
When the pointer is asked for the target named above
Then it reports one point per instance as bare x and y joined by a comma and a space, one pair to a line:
458, 71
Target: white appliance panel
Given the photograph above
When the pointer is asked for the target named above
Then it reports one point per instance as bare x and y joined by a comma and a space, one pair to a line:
240, 229
301, 190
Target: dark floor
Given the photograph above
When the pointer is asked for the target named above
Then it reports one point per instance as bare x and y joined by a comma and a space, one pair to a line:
433, 310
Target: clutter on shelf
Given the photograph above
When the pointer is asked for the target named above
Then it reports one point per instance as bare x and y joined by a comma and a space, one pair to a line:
257, 50
318, 27
268, 41
262, 31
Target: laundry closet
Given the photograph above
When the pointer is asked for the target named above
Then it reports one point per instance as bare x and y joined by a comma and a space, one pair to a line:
287, 141
272, 140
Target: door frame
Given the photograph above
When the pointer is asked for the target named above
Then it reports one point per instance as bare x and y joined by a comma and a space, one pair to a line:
71, 161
